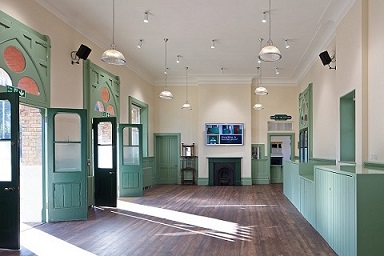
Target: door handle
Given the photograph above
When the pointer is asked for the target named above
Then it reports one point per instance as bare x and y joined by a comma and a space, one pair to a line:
9, 189
111, 173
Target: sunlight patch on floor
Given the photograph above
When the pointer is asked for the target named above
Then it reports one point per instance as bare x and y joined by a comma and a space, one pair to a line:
186, 218
189, 223
42, 243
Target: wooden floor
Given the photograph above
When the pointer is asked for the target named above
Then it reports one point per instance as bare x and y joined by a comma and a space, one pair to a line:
196, 220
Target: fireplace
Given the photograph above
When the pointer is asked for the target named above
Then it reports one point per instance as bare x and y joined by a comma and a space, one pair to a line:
224, 171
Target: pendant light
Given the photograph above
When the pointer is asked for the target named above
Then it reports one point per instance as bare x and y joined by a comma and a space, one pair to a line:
260, 89
113, 56
186, 105
258, 105
165, 94
270, 53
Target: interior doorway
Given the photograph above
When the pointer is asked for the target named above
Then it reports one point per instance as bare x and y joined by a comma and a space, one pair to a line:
280, 150
31, 166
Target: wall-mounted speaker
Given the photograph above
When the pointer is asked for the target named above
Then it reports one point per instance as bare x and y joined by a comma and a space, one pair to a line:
83, 52
325, 58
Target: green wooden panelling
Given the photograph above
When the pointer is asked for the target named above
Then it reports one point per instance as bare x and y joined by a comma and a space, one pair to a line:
308, 200
246, 181
349, 207
306, 116
202, 181
370, 212
291, 182
260, 165
347, 128
149, 172
276, 174
36, 50
377, 166
96, 81
260, 171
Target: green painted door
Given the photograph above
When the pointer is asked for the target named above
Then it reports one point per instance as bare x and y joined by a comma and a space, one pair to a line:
9, 171
105, 161
67, 164
167, 157
131, 159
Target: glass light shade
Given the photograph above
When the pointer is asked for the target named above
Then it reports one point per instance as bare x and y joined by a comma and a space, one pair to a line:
270, 53
258, 106
186, 106
261, 90
167, 95
113, 56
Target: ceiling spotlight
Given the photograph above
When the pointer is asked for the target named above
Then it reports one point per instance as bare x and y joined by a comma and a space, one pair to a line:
277, 71
178, 58
213, 44
264, 18
287, 44
140, 44
146, 17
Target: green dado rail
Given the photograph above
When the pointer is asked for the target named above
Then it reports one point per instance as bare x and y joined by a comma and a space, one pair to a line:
344, 203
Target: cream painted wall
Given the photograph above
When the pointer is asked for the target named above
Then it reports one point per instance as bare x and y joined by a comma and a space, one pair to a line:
224, 104
281, 99
67, 79
376, 81
350, 58
329, 85
170, 118
325, 106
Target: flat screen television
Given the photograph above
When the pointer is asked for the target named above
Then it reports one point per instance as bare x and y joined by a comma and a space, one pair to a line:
224, 134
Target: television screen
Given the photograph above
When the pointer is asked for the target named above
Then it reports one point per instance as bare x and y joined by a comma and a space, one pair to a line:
224, 134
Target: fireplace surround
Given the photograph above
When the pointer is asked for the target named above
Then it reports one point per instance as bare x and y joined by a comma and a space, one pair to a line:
224, 171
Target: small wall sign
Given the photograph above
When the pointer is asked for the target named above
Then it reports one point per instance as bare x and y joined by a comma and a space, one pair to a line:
280, 117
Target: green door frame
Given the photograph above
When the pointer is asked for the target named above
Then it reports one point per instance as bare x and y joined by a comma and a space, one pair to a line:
268, 150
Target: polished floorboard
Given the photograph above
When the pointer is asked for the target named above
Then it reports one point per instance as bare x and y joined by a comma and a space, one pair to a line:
193, 220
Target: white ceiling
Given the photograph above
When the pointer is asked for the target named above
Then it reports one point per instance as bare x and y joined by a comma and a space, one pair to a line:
190, 25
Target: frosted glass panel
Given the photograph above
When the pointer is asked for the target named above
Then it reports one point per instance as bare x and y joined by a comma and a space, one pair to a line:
67, 157
104, 131
105, 156
67, 127
131, 156
5, 160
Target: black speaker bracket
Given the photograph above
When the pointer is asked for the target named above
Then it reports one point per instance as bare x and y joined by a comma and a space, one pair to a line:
75, 58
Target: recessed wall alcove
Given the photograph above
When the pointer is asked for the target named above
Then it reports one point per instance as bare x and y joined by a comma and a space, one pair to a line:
224, 171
